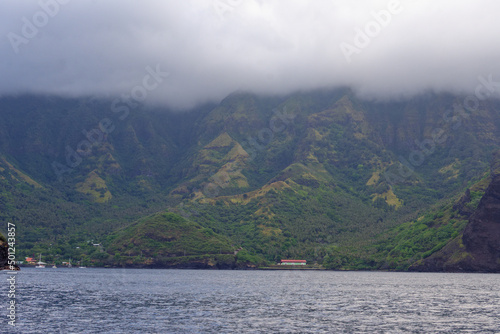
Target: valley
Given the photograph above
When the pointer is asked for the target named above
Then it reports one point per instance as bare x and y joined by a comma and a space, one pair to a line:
344, 183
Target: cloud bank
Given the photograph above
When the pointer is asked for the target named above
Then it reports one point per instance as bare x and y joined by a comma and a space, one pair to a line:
210, 48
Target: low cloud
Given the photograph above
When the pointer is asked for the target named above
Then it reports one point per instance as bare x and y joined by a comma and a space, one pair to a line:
382, 49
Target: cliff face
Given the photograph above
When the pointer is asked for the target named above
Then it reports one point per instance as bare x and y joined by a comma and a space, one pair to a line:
478, 250
482, 235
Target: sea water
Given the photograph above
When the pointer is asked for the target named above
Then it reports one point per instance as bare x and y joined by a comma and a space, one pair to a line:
89, 300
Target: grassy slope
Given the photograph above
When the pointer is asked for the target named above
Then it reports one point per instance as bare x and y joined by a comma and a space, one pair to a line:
315, 190
167, 239
334, 203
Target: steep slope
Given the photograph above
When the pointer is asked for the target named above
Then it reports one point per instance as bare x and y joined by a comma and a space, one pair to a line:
478, 249
405, 245
320, 175
334, 196
482, 235
66, 181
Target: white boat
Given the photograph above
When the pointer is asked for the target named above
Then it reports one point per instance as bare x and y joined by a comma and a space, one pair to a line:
40, 263
54, 266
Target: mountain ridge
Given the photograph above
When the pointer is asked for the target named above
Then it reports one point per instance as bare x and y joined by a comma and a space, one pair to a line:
306, 175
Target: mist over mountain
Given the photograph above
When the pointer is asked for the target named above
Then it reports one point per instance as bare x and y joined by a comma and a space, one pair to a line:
321, 175
319, 152
204, 50
232, 134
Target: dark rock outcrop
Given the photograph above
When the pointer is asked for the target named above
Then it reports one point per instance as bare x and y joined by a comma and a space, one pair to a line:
461, 205
478, 249
482, 235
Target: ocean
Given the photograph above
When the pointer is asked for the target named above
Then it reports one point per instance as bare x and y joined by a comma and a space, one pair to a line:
90, 300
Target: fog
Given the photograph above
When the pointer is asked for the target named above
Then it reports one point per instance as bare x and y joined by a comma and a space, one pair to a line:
185, 52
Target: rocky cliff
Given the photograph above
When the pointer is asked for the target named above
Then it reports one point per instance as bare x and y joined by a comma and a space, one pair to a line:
482, 235
478, 249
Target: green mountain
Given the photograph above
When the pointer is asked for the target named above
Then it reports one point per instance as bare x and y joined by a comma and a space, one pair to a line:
168, 240
477, 248
323, 175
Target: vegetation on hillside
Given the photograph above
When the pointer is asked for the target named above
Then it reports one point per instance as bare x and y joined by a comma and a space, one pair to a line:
313, 175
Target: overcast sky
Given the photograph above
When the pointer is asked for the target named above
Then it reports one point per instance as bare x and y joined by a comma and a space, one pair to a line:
211, 48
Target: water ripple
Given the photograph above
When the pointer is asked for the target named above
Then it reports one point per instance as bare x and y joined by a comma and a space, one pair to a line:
184, 301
